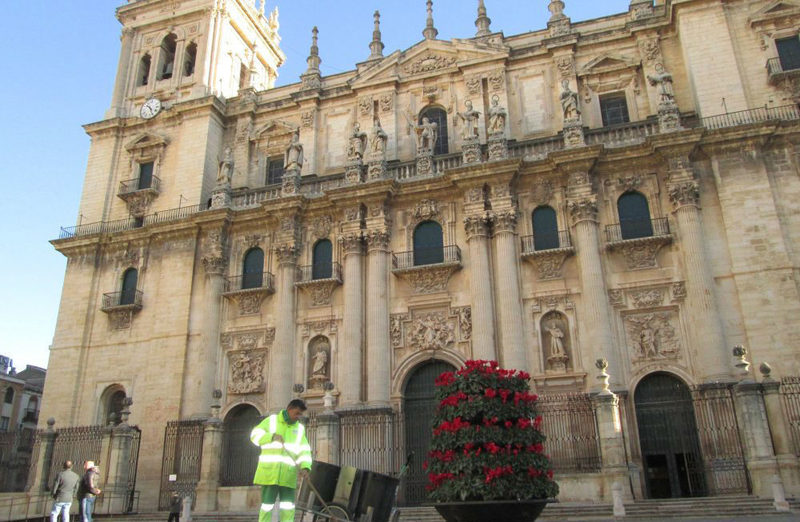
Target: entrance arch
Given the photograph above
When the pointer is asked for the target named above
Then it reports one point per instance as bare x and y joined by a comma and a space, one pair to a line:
668, 437
239, 455
419, 406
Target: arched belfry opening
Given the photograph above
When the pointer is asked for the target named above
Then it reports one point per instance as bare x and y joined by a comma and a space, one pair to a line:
673, 463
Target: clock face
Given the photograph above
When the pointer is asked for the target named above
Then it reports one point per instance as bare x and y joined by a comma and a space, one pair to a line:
150, 108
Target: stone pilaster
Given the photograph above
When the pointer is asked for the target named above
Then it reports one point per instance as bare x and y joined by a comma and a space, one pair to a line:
701, 302
379, 350
121, 83
788, 463
282, 356
755, 434
349, 364
327, 448
115, 492
509, 301
209, 467
480, 285
612, 445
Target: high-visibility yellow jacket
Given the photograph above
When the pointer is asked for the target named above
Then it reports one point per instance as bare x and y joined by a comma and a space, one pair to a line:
278, 462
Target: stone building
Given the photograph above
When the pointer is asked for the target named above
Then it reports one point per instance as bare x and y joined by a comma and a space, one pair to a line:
21, 394
617, 196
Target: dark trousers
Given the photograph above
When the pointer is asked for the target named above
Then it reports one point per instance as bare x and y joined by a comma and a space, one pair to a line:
174, 516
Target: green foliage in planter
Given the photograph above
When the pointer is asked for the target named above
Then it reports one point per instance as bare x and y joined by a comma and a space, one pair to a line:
487, 444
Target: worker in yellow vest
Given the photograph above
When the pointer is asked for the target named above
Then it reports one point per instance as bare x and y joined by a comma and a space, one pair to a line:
284, 450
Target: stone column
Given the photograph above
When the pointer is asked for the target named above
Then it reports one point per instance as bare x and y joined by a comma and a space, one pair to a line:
282, 355
379, 350
350, 360
708, 339
595, 322
756, 437
509, 302
38, 482
480, 285
122, 82
209, 466
788, 464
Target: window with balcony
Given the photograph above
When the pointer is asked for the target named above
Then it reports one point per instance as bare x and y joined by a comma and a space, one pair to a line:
545, 229
428, 243
274, 171
789, 53
322, 260
129, 281
438, 116
634, 216
145, 175
253, 269
9, 396
189, 59
167, 57
143, 75
614, 109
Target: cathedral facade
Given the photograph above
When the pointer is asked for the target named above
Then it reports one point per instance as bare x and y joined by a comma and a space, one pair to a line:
611, 205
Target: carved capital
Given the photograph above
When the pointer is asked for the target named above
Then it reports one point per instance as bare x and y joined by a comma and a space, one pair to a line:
583, 209
215, 265
476, 226
505, 222
684, 193
214, 259
352, 244
287, 254
378, 240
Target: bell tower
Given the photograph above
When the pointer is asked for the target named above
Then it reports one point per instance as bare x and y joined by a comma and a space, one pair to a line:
174, 51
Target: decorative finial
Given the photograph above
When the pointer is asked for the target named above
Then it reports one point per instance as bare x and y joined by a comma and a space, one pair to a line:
556, 8
766, 370
376, 46
740, 352
298, 389
602, 365
430, 31
261, 7
312, 78
483, 22
273, 22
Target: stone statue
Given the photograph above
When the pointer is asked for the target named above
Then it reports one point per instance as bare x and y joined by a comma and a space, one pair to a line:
378, 139
497, 117
470, 117
647, 342
225, 172
426, 132
664, 80
556, 340
294, 153
569, 102
319, 364
356, 144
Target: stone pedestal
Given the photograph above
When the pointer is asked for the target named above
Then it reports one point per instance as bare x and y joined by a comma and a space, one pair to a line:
327, 442
788, 464
471, 150
290, 183
221, 197
376, 170
354, 172
498, 147
573, 134
756, 438
425, 165
669, 117
209, 467
115, 497
612, 445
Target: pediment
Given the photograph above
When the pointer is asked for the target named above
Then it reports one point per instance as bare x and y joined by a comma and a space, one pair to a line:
273, 128
146, 140
608, 63
775, 10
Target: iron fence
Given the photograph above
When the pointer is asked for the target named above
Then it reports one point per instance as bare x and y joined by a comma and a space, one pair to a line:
239, 457
16, 449
570, 428
746, 117
126, 298
546, 241
319, 272
78, 444
183, 453
371, 440
251, 281
790, 391
637, 228
426, 256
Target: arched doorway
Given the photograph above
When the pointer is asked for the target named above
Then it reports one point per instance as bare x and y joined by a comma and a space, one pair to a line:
239, 455
668, 438
419, 406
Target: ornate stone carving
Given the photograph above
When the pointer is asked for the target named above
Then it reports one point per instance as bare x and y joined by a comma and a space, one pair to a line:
632, 182
356, 144
246, 371
551, 302
548, 263
684, 193
505, 221
365, 105
319, 370
429, 279
566, 66
542, 192
352, 243
501, 190
250, 303
429, 62
476, 226
431, 331
269, 336
678, 291
386, 102
287, 254
497, 80
425, 165
616, 297
474, 85
651, 50
497, 147
426, 209
648, 298
497, 118
396, 328
214, 259
573, 134
378, 240
471, 150
320, 291
307, 119
139, 201
464, 315
584, 209
653, 335
251, 240
321, 227
353, 214
641, 252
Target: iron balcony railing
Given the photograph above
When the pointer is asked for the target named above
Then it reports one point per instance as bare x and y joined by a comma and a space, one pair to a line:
250, 281
120, 225
318, 272
546, 241
761, 114
126, 298
134, 185
637, 228
776, 66
31, 416
426, 256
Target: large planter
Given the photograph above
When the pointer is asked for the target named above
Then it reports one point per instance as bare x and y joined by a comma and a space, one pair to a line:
499, 510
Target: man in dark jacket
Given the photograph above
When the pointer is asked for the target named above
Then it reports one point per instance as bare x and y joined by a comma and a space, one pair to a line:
65, 488
88, 490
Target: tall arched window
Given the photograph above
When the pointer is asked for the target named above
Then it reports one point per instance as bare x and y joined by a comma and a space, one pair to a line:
189, 59
545, 228
143, 75
322, 260
166, 62
634, 216
428, 243
253, 268
439, 116
129, 281
9, 397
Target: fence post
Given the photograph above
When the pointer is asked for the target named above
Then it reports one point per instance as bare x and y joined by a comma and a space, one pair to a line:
781, 436
328, 447
47, 439
609, 431
118, 469
209, 466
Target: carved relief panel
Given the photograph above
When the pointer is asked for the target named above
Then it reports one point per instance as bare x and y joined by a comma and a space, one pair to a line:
430, 329
246, 355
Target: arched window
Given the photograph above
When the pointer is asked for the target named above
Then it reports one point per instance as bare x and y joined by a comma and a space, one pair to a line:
189, 59
167, 57
239, 457
634, 216
322, 263
545, 228
9, 398
129, 281
144, 71
438, 116
253, 269
428, 243
114, 407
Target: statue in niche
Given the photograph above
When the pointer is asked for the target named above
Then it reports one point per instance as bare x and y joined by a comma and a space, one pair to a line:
663, 79
569, 102
225, 172
554, 336
470, 117
556, 339
319, 373
497, 117
426, 134
379, 138
294, 153
356, 144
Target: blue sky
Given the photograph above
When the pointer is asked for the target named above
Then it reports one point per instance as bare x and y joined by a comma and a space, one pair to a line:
60, 59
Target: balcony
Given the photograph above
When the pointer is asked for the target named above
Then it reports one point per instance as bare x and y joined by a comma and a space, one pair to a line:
427, 270
779, 70
132, 186
139, 193
249, 291
548, 252
319, 281
639, 240
121, 307
31, 416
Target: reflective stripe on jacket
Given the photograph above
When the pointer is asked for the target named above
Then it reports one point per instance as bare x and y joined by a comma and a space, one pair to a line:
277, 464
